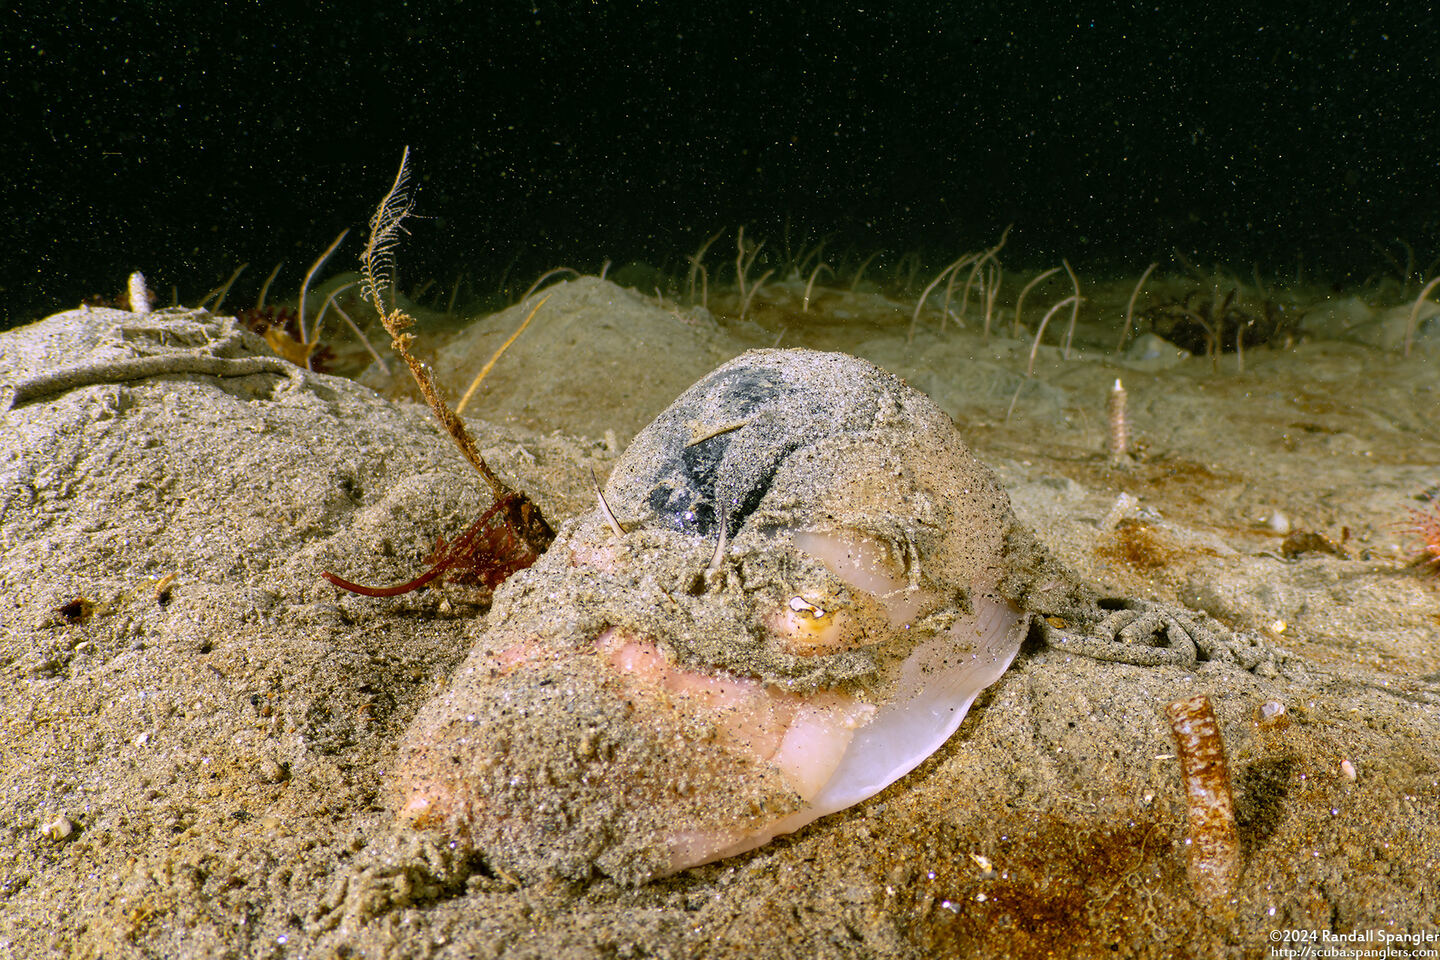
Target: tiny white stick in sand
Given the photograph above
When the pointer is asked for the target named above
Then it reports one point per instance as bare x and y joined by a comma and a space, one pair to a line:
1119, 424
140, 299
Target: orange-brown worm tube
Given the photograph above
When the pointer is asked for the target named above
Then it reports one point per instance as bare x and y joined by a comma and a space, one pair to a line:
1212, 845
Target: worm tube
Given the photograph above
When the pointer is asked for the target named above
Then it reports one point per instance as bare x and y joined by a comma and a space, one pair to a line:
1212, 845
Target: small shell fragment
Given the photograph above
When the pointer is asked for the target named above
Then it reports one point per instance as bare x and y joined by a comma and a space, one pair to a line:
1272, 713
1278, 523
57, 829
1124, 507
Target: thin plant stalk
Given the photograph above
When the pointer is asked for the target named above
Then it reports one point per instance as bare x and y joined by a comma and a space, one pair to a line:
992, 290
1187, 266
975, 270
740, 265
1260, 288
1403, 272
704, 288
1217, 318
950, 291
1212, 335
695, 262
1013, 397
1130, 307
810, 285
911, 262
1409, 260
970, 282
1035, 345
806, 255
1020, 301
744, 260
475, 384
754, 289
454, 292
860, 271
384, 367
320, 320
220, 292
265, 287
546, 276
505, 274
925, 294
1074, 310
311, 273
1413, 323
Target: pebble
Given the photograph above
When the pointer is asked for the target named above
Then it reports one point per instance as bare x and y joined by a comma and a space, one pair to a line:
271, 770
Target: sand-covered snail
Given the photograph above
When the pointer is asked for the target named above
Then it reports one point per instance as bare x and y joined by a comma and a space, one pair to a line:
797, 604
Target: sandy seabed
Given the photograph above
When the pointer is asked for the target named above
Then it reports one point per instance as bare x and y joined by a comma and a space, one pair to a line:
195, 766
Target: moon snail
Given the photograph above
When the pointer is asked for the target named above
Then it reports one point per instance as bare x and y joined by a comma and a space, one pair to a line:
788, 600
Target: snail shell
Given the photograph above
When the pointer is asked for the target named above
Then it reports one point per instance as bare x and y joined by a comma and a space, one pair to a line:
800, 607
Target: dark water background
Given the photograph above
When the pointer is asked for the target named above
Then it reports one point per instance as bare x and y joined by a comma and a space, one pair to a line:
183, 139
